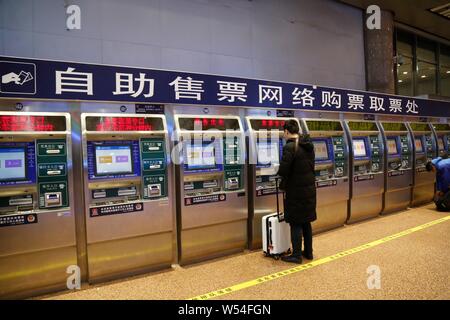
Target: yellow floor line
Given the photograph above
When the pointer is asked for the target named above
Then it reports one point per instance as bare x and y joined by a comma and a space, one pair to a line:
274, 276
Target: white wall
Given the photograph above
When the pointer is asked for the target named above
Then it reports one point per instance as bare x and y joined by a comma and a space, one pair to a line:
309, 41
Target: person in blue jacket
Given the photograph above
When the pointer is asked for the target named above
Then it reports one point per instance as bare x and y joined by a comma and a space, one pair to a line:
441, 166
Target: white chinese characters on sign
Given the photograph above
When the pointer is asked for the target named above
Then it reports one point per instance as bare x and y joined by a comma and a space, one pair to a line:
395, 105
330, 99
70, 81
302, 97
412, 107
355, 101
376, 103
231, 91
270, 93
125, 85
187, 88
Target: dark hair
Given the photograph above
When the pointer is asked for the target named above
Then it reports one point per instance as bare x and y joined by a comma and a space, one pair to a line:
444, 154
291, 126
429, 166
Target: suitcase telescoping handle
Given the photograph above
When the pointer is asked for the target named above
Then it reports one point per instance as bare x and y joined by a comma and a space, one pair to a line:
278, 204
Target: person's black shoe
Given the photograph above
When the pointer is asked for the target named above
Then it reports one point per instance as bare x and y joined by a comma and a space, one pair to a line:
292, 259
307, 256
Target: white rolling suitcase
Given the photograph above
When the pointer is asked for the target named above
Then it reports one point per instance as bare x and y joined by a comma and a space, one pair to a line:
276, 239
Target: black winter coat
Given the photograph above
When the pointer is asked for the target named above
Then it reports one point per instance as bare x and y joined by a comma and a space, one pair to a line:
298, 181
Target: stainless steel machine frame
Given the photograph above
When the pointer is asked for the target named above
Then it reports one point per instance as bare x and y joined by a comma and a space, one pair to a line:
398, 180
262, 199
333, 192
34, 257
442, 135
366, 185
130, 243
423, 181
216, 228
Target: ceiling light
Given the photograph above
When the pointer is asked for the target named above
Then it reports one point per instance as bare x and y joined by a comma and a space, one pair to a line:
400, 81
423, 76
448, 71
442, 10
405, 72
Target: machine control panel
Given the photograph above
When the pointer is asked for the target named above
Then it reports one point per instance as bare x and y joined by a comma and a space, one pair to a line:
399, 149
213, 160
443, 136
33, 167
126, 159
424, 144
268, 150
330, 148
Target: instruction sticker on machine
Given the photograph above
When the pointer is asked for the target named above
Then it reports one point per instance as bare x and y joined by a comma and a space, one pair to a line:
327, 183
116, 209
363, 177
204, 199
17, 220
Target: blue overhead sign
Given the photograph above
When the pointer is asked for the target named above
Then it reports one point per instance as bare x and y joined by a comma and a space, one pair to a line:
43, 79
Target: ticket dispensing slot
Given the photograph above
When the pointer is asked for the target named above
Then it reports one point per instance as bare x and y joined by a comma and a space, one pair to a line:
36, 215
154, 190
53, 199
126, 190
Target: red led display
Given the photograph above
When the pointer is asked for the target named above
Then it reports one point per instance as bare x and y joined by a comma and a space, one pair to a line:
32, 123
208, 123
123, 124
267, 124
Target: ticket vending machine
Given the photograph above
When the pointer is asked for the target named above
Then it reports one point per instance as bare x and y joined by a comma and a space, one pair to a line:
424, 150
398, 163
442, 135
210, 175
265, 148
366, 170
37, 223
332, 171
129, 217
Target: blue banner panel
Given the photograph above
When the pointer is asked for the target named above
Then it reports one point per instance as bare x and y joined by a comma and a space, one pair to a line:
49, 80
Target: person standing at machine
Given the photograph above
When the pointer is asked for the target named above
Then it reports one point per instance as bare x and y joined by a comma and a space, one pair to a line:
441, 166
298, 181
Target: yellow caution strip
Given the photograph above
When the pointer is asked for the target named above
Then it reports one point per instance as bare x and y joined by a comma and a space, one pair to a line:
277, 275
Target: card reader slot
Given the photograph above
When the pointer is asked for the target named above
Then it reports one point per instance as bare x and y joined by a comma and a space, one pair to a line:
53, 151
53, 172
